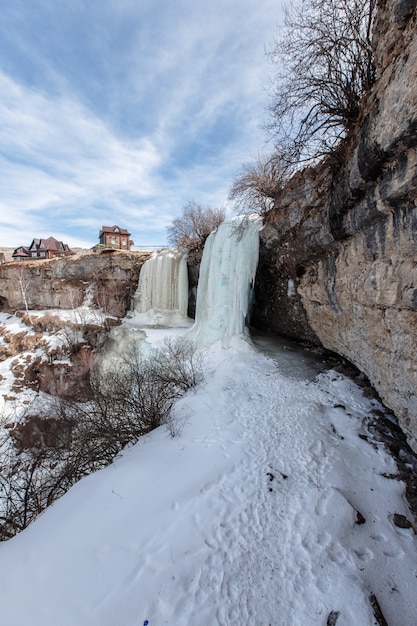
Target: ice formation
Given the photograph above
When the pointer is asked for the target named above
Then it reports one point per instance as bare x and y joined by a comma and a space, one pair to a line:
162, 294
227, 273
291, 291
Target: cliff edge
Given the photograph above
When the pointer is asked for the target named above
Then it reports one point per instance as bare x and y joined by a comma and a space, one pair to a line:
63, 283
338, 263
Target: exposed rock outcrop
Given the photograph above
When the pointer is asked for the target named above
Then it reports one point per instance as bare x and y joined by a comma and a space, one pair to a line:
63, 283
339, 254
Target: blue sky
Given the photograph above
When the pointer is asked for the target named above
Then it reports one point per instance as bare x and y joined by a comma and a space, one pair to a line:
122, 111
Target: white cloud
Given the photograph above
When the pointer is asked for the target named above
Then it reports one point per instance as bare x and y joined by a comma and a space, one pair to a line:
59, 157
178, 113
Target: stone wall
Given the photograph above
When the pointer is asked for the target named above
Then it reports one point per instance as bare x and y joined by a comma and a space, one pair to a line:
348, 243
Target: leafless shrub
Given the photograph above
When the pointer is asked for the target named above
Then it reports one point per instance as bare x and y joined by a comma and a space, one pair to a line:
29, 482
72, 338
73, 296
19, 495
175, 423
122, 402
194, 226
43, 323
128, 399
178, 366
258, 185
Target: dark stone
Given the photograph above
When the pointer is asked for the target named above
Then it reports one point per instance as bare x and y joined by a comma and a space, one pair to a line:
385, 428
395, 189
273, 310
330, 272
401, 521
332, 618
360, 518
351, 212
340, 202
39, 433
377, 611
404, 217
403, 11
4, 305
370, 156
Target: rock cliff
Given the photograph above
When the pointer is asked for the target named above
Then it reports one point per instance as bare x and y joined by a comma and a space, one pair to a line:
63, 283
338, 264
338, 259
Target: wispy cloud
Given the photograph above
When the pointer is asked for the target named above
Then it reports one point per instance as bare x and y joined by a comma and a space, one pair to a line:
61, 158
149, 107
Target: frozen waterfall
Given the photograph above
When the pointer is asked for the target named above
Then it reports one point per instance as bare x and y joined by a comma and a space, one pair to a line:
162, 294
227, 273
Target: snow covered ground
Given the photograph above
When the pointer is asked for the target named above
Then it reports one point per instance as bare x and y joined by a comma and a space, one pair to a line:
249, 516
11, 404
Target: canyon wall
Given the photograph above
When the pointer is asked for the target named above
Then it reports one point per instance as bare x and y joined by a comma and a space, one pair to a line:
338, 258
338, 264
111, 279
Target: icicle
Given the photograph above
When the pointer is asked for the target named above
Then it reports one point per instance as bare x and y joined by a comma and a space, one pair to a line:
291, 288
227, 273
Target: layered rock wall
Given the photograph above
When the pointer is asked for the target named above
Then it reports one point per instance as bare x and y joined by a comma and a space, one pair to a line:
110, 279
339, 254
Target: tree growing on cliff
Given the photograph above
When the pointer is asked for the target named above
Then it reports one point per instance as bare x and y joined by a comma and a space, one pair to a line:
24, 282
196, 222
323, 64
258, 185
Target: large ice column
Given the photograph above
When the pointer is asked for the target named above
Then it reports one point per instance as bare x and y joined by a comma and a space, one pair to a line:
227, 274
162, 294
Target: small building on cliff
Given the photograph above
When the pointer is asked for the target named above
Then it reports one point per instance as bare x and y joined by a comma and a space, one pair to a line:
21, 253
42, 249
114, 238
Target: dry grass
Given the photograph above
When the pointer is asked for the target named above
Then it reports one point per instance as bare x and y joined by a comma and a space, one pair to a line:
17, 343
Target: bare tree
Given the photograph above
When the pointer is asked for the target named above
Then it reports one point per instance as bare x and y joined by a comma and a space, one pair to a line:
258, 185
24, 284
192, 228
323, 64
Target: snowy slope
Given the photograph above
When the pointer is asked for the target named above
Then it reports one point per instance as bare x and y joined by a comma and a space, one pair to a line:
248, 517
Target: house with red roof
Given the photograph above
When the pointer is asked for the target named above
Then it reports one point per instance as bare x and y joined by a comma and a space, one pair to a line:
115, 238
21, 253
42, 249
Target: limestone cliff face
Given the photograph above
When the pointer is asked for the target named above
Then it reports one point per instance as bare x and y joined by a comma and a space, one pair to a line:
338, 265
63, 283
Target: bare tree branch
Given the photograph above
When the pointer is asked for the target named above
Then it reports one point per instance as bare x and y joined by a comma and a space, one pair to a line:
323, 64
192, 228
258, 184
